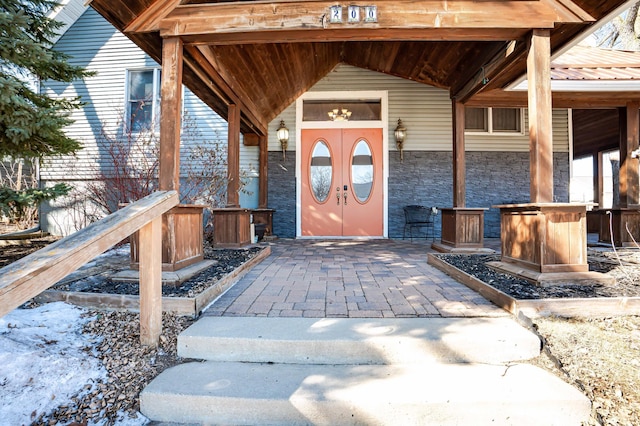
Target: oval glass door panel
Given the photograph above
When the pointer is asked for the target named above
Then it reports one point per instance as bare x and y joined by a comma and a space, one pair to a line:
321, 171
362, 171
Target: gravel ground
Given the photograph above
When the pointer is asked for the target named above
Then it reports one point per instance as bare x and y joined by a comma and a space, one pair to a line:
623, 265
226, 260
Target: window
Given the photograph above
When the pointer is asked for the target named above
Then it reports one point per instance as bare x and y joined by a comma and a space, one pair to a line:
493, 120
354, 110
143, 99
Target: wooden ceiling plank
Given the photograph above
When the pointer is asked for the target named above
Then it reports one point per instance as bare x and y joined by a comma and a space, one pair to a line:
333, 52
391, 54
149, 20
208, 73
229, 79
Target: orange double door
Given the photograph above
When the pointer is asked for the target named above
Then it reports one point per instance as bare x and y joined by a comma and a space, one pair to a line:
342, 183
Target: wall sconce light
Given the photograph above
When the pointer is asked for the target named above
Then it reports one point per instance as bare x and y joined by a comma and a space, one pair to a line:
283, 137
401, 134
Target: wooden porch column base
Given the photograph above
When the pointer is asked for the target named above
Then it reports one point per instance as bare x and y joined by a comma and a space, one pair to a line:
594, 220
231, 227
545, 279
264, 217
462, 231
546, 243
182, 238
621, 219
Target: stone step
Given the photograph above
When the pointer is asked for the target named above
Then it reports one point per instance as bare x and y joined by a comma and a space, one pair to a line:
409, 394
358, 341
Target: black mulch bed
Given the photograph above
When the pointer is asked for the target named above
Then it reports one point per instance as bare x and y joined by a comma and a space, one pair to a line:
627, 279
226, 261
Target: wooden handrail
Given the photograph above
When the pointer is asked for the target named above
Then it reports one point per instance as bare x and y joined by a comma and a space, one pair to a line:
31, 275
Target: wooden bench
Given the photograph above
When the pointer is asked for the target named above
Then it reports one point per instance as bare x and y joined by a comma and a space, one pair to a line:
31, 275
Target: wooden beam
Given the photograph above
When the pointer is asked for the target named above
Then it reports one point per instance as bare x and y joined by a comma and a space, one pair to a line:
202, 66
170, 114
598, 178
578, 100
629, 183
149, 20
263, 191
239, 17
228, 82
355, 34
233, 157
540, 128
481, 77
150, 239
459, 165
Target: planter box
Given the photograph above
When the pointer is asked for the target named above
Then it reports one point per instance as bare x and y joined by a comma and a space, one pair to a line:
182, 235
545, 237
231, 227
625, 224
463, 227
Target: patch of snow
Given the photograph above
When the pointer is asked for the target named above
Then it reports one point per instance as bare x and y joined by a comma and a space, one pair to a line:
45, 360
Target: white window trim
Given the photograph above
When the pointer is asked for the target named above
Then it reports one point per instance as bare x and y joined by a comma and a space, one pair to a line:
490, 131
155, 106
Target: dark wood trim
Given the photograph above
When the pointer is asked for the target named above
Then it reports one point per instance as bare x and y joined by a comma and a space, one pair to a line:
233, 157
540, 118
263, 192
459, 164
170, 114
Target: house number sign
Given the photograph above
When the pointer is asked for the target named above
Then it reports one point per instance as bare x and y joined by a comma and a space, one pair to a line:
353, 14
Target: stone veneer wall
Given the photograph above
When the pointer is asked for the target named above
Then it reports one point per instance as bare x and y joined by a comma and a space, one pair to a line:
425, 177
282, 193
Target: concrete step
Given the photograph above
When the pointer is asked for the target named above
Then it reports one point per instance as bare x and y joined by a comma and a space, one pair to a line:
358, 341
409, 394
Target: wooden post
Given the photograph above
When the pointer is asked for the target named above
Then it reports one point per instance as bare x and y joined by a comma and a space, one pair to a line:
459, 165
170, 114
540, 132
597, 179
151, 282
263, 191
233, 156
629, 142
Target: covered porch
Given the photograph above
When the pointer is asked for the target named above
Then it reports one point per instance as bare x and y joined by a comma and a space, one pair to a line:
250, 60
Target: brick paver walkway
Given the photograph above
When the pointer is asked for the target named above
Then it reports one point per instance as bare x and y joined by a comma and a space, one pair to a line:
350, 278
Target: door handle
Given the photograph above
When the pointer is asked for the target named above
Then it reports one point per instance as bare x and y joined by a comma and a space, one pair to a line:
345, 198
338, 194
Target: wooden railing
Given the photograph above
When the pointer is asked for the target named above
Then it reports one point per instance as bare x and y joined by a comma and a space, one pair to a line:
31, 275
